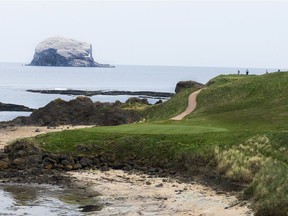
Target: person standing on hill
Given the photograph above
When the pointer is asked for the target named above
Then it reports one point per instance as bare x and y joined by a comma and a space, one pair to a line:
238, 72
247, 72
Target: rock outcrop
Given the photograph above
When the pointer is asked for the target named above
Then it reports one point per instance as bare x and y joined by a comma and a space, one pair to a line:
80, 111
59, 51
187, 84
14, 107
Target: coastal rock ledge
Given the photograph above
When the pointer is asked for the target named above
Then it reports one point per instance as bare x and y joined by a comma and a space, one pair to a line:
59, 51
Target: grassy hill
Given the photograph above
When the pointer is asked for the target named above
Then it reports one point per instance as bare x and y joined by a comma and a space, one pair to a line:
246, 102
239, 131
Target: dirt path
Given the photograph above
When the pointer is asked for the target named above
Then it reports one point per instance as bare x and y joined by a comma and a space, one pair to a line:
190, 108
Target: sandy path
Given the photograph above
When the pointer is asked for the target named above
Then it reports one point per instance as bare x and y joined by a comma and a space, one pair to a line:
190, 108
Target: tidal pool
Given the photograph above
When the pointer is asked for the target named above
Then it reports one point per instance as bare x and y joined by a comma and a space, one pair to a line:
32, 199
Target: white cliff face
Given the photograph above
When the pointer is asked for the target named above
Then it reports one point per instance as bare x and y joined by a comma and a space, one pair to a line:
65, 47
59, 51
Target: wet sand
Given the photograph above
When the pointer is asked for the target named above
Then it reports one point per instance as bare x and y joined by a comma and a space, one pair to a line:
140, 194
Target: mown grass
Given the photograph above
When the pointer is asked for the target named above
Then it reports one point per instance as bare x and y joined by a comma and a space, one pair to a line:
239, 130
156, 128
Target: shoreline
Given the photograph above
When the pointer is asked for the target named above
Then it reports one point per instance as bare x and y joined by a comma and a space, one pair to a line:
157, 95
134, 192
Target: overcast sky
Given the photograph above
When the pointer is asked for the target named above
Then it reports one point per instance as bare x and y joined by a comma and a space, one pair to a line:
183, 33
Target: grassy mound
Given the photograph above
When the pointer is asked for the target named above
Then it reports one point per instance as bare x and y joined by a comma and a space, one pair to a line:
238, 131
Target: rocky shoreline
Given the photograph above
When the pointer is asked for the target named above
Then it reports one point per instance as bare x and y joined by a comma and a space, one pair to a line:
14, 107
24, 162
156, 95
24, 159
159, 188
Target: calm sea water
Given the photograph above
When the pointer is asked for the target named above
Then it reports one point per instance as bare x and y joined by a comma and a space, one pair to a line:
35, 200
17, 78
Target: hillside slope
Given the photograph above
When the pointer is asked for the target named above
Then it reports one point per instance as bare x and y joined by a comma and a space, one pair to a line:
258, 102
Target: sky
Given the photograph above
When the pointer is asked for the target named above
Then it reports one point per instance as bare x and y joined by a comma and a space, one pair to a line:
179, 33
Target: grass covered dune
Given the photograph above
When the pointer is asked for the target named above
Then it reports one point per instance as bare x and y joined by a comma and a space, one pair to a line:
239, 131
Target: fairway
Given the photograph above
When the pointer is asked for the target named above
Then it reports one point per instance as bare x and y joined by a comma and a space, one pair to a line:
149, 128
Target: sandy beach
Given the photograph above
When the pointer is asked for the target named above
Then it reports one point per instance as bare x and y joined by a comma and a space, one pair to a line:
139, 194
12, 133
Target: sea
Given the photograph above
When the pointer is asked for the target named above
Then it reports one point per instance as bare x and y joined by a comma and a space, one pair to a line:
16, 78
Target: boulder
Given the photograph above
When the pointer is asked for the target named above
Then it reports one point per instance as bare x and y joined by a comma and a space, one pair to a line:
4, 165
187, 84
59, 51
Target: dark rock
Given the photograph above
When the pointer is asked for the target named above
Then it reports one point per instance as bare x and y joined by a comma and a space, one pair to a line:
49, 160
159, 102
68, 167
65, 162
76, 166
118, 167
3, 156
34, 159
148, 183
85, 162
37, 130
62, 157
80, 111
136, 100
20, 163
23, 155
127, 168
58, 166
187, 84
4, 165
90, 208
152, 170
159, 185
53, 156
151, 94
59, 51
14, 107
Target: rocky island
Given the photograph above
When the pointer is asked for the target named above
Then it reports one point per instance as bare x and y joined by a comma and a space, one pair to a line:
60, 51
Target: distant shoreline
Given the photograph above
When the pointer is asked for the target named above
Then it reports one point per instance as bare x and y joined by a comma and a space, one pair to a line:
157, 95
